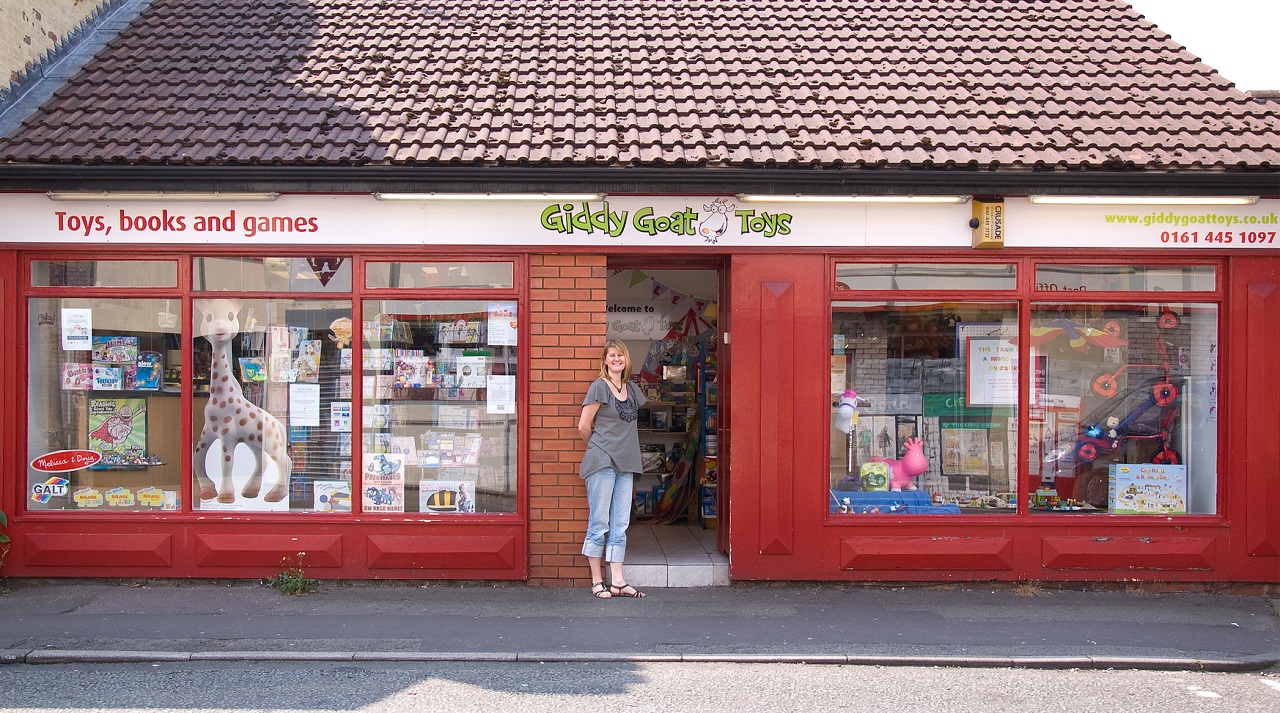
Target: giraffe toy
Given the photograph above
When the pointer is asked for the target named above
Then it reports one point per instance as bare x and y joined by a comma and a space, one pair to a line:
231, 419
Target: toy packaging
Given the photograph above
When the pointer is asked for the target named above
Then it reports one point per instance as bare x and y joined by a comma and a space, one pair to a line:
1140, 488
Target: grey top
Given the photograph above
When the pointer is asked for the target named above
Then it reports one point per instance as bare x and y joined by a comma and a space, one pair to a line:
615, 440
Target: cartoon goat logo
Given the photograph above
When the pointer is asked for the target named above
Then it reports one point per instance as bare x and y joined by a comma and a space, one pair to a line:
715, 224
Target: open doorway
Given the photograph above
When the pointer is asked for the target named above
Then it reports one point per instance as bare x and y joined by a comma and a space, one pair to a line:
669, 319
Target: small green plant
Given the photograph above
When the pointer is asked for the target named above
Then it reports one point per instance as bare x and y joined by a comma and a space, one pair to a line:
292, 579
4, 537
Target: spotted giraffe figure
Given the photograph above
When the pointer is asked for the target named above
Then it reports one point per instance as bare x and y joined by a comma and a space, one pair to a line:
231, 419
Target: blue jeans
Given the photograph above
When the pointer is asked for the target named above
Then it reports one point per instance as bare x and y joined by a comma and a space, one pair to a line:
609, 502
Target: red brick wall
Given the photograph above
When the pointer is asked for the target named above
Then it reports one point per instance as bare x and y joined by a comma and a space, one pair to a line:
567, 327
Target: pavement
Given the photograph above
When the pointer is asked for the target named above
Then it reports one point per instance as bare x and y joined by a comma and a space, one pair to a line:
45, 621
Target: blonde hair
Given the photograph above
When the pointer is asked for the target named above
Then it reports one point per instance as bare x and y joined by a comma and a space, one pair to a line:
604, 363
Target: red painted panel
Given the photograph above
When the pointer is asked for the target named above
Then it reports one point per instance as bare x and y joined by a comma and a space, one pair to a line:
441, 552
267, 550
1126, 553
46, 549
780, 340
777, 377
926, 553
1259, 447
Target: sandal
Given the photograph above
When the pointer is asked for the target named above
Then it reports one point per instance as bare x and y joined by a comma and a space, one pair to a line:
599, 592
625, 590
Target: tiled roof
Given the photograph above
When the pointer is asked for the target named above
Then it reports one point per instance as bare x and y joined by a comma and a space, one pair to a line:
1012, 84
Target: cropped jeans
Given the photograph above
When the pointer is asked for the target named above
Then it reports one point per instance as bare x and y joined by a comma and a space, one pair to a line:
609, 503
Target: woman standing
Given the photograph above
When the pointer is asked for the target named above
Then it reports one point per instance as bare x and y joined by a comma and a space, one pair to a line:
609, 467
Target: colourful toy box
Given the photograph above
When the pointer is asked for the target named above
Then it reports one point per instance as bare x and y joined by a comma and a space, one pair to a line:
1146, 488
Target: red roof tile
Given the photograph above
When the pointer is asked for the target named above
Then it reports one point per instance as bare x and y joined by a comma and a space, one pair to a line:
876, 83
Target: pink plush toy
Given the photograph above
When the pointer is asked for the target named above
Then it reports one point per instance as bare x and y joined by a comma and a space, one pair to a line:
912, 464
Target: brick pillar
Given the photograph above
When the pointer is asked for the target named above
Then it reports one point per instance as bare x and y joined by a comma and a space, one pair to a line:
567, 328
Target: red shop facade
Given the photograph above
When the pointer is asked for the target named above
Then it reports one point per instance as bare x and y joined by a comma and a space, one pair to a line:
901, 388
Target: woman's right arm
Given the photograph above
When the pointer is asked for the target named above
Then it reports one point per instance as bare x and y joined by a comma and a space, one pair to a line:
587, 420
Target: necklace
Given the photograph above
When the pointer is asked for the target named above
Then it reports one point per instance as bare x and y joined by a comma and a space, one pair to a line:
616, 387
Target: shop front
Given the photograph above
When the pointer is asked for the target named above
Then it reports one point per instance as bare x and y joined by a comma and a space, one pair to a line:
387, 385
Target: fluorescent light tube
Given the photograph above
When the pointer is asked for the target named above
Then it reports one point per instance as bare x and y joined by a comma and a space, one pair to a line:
1143, 200
801, 198
488, 196
158, 196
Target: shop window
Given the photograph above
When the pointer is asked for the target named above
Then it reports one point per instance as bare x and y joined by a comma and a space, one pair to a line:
271, 417
104, 273
438, 432
493, 275
1127, 278
924, 408
1125, 418
925, 276
103, 407
327, 274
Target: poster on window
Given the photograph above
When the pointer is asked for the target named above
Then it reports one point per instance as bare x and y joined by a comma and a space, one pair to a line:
118, 430
502, 324
383, 482
992, 372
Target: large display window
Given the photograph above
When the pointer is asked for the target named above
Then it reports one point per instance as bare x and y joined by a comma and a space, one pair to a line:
1120, 405
1127, 422
270, 405
438, 418
103, 406
924, 408
297, 404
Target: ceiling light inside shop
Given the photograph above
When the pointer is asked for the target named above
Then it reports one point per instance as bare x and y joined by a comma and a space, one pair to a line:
1143, 200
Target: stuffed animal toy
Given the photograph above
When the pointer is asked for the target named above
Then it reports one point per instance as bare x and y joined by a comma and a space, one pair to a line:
905, 470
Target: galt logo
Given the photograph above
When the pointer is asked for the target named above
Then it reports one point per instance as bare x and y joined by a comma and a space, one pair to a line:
42, 492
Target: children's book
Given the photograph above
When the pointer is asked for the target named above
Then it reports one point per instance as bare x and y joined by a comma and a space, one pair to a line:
471, 449
405, 446
413, 369
377, 359
281, 367
307, 363
253, 369
118, 430
331, 496
429, 454
443, 496
471, 371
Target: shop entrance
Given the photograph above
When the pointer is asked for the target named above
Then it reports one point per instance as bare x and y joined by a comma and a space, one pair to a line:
671, 321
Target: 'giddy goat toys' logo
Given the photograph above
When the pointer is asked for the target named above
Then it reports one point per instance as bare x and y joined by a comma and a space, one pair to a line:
720, 216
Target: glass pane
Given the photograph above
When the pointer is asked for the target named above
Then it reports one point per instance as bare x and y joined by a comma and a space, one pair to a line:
924, 408
272, 404
1127, 419
1131, 278
104, 273
925, 276
272, 274
439, 418
103, 410
440, 274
